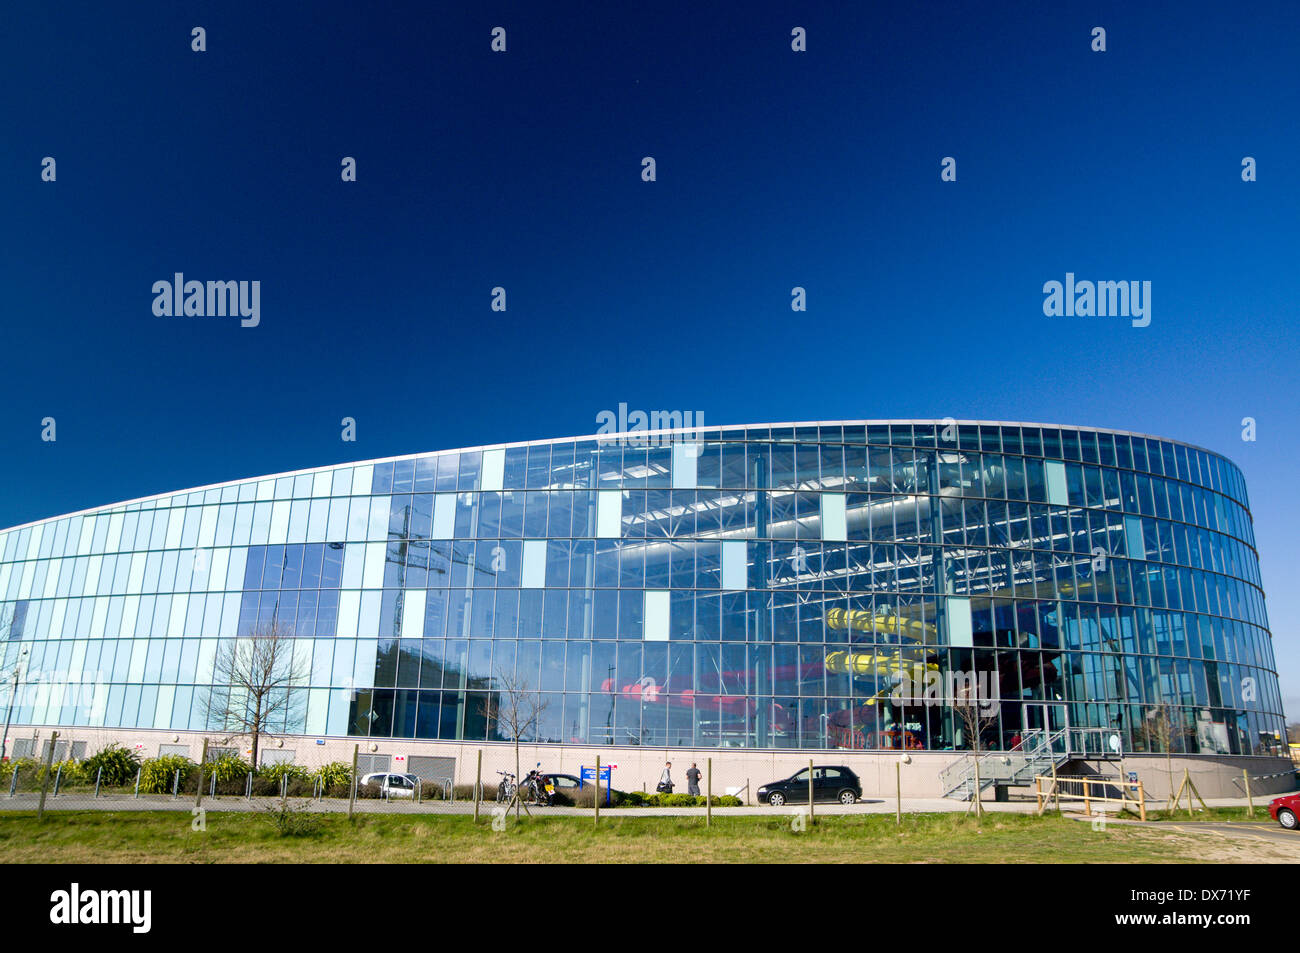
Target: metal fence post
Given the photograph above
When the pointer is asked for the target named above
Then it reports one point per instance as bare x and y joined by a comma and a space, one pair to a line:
98, 774
598, 790
58, 780
137, 782
248, 787
45, 781
198, 787
13, 783
352, 792
176, 782
708, 794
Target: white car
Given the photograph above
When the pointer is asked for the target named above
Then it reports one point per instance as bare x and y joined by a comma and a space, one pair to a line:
392, 785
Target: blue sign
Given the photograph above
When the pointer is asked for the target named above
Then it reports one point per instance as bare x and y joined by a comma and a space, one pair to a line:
589, 774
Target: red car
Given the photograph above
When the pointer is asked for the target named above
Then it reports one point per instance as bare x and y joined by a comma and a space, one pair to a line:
1285, 810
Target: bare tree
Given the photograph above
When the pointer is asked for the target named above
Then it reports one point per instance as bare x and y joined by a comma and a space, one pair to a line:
975, 716
254, 684
517, 709
11, 672
1165, 727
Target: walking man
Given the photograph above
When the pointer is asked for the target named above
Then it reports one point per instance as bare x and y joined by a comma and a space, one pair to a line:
665, 785
693, 780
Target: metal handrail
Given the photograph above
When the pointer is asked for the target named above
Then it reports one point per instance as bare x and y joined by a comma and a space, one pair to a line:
1036, 749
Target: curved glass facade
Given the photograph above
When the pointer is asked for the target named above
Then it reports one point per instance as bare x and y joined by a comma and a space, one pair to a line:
754, 587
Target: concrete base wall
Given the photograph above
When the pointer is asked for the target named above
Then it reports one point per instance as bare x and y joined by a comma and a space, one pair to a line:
638, 768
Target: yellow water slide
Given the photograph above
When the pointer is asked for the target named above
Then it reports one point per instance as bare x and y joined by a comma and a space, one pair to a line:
861, 620
877, 664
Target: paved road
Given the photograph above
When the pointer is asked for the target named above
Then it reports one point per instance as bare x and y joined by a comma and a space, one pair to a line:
1251, 830
1264, 830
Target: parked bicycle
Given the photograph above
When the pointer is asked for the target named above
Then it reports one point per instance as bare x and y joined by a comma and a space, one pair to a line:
506, 789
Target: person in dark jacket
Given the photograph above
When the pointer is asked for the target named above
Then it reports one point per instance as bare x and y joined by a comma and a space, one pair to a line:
693, 780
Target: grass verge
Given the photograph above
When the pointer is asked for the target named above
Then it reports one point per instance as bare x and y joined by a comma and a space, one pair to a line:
165, 837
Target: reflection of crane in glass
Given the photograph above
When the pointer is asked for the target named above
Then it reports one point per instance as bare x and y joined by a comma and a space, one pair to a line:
402, 556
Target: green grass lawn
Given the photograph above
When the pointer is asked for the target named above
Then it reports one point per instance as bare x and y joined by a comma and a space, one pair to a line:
1216, 814
158, 836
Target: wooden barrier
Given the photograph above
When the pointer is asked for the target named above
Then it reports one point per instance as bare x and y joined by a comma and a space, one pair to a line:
1054, 784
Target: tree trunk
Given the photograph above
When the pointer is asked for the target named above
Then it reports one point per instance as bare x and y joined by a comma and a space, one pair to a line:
256, 726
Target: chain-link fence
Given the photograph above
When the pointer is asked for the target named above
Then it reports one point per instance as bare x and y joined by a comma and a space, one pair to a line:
65, 776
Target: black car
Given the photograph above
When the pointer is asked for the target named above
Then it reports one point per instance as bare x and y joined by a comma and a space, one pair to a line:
565, 786
829, 783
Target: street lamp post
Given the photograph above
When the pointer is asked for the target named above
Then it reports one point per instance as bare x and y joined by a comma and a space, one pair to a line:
18, 668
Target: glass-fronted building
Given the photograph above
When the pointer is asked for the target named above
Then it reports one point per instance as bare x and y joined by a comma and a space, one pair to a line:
761, 587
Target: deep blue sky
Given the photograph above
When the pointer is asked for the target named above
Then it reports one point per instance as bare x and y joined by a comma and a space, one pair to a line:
775, 169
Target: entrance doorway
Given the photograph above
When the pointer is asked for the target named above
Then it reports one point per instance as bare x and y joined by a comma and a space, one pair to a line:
1049, 719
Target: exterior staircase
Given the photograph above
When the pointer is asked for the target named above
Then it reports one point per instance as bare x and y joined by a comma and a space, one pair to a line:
1039, 753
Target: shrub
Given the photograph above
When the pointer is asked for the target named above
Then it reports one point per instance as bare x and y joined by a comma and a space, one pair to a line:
370, 790
290, 820
29, 770
158, 774
573, 798
274, 772
118, 764
339, 789
68, 772
334, 775
689, 800
586, 797
271, 781
228, 770
231, 773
